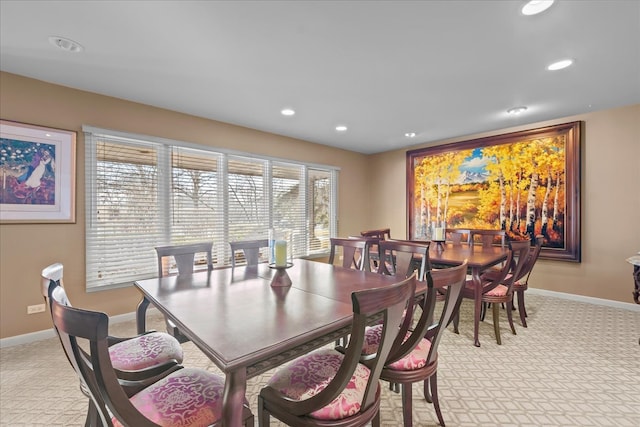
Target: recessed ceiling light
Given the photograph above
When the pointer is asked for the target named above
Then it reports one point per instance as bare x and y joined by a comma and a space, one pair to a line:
534, 7
66, 44
341, 128
560, 65
410, 134
287, 112
515, 111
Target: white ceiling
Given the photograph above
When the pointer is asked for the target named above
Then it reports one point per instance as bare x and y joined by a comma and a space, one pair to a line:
440, 69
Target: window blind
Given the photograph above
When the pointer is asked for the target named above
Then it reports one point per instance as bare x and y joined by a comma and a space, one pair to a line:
143, 192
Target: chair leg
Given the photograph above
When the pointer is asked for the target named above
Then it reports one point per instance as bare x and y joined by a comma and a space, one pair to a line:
427, 391
456, 320
496, 322
510, 316
407, 410
433, 381
375, 422
521, 309
92, 416
263, 416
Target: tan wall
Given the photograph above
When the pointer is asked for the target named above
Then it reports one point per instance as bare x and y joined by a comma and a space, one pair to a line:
26, 248
610, 204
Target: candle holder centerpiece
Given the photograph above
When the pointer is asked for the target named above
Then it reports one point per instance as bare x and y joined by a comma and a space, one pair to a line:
438, 234
280, 277
280, 258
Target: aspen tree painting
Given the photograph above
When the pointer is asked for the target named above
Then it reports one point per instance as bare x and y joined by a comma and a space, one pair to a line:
526, 183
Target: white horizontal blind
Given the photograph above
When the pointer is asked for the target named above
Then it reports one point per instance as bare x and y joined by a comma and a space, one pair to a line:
142, 192
196, 202
289, 207
123, 211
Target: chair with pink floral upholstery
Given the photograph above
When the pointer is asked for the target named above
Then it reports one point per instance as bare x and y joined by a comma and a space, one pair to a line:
328, 387
178, 397
415, 358
140, 356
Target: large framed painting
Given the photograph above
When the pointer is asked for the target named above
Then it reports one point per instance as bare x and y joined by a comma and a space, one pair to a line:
37, 174
526, 183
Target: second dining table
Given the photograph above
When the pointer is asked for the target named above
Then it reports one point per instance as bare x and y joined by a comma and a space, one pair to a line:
247, 327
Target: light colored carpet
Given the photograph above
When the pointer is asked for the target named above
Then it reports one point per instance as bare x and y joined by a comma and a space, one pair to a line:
576, 365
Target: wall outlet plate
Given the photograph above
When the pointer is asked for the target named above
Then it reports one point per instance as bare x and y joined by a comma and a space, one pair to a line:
38, 308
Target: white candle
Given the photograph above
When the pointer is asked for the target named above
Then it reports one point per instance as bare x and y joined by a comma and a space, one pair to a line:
281, 253
438, 233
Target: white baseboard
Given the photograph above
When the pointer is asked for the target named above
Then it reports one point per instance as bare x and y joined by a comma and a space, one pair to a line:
49, 333
589, 300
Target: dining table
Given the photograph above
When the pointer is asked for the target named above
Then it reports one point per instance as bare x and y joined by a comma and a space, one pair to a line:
247, 327
479, 258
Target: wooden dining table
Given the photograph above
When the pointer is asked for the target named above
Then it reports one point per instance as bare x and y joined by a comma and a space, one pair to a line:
247, 327
479, 258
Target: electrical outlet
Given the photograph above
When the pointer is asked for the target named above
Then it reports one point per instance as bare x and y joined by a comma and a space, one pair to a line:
38, 308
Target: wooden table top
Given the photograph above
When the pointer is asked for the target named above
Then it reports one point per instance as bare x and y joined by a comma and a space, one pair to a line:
476, 255
239, 320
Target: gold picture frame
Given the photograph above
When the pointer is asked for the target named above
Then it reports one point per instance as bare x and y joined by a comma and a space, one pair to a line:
526, 183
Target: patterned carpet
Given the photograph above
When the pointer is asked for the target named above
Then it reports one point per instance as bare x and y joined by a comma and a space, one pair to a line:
577, 364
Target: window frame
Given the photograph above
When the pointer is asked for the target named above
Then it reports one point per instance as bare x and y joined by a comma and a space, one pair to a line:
165, 173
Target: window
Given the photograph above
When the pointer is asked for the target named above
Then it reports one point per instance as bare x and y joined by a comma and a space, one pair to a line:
143, 192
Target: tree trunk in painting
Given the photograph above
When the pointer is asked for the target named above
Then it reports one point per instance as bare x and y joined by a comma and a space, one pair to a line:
545, 209
555, 202
503, 203
531, 205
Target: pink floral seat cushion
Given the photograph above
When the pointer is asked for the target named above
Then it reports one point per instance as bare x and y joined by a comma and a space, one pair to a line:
310, 374
188, 397
498, 291
414, 360
145, 351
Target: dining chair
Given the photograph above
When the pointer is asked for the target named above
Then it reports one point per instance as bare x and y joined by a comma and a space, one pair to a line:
521, 283
182, 396
488, 238
132, 358
374, 250
457, 236
250, 250
330, 387
497, 285
415, 357
184, 257
403, 258
349, 252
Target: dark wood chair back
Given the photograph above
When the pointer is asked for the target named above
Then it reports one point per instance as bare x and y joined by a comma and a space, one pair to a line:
401, 258
488, 238
250, 250
354, 252
458, 236
184, 256
534, 252
388, 302
451, 281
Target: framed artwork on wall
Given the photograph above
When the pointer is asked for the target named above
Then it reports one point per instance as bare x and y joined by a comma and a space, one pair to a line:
526, 183
37, 174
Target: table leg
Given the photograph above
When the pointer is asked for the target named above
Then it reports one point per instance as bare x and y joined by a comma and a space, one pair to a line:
141, 315
235, 388
477, 299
